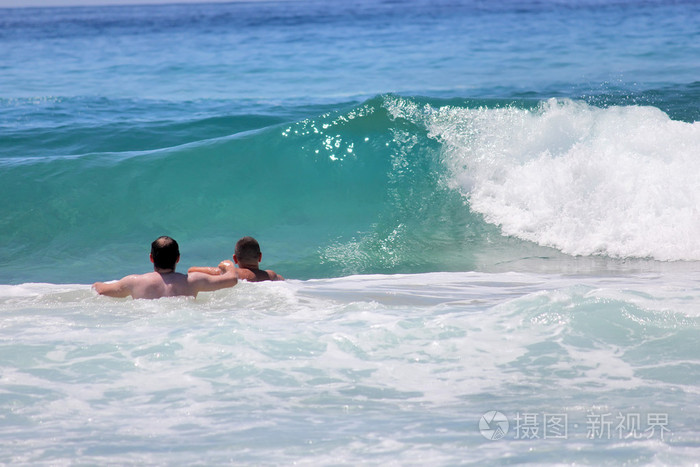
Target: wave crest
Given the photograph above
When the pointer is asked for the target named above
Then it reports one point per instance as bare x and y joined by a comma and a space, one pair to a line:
618, 181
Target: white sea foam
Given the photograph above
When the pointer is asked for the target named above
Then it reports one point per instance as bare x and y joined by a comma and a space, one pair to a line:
618, 181
399, 366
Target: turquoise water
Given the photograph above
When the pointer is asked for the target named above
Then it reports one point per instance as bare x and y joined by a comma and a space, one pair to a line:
391, 185
480, 207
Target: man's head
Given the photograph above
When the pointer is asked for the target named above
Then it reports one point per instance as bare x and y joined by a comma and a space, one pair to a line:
247, 250
165, 253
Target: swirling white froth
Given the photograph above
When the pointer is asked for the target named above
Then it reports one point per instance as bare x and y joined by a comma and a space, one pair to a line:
617, 181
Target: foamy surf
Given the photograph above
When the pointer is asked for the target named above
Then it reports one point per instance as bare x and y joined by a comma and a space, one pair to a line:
256, 373
616, 181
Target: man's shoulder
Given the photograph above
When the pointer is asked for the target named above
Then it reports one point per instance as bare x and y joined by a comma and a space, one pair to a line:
133, 278
147, 277
257, 275
245, 274
273, 275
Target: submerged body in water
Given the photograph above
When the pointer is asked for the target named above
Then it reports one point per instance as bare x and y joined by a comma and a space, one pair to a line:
488, 212
247, 258
164, 281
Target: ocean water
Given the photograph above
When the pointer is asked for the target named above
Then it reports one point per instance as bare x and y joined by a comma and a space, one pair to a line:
487, 213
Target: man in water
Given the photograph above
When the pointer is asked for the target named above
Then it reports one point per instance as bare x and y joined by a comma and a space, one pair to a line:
164, 281
247, 256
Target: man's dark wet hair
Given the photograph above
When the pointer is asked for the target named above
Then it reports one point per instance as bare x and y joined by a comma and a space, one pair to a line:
165, 252
247, 249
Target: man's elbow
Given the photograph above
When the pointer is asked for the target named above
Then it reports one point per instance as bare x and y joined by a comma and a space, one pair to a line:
110, 290
231, 279
226, 284
221, 282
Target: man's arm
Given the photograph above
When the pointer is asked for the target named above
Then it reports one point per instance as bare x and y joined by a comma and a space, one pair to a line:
118, 289
205, 282
212, 271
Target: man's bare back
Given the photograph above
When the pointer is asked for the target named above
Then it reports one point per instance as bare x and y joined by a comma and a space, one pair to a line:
164, 281
151, 285
154, 285
171, 284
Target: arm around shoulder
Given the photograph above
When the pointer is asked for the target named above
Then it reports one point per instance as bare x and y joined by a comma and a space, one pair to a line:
212, 271
205, 282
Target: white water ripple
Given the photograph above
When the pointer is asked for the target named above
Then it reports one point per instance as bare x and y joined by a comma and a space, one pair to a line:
356, 369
